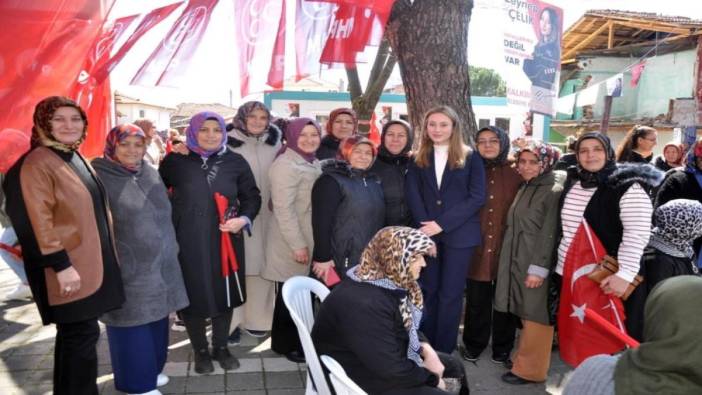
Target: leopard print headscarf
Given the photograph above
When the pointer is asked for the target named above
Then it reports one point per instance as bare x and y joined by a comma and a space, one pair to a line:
386, 263
41, 131
678, 224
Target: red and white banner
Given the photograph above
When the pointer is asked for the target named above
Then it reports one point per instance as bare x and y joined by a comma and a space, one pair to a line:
255, 39
169, 62
276, 73
312, 20
636, 72
149, 20
93, 94
377, 6
353, 28
39, 51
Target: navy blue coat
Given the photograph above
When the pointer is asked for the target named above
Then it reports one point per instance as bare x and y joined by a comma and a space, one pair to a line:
455, 206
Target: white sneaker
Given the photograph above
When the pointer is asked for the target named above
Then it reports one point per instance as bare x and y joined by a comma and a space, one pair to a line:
162, 380
178, 326
152, 392
22, 292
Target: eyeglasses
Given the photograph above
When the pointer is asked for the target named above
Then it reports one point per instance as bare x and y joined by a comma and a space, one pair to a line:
488, 142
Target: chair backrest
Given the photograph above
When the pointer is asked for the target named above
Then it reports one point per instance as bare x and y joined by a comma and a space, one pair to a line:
297, 295
343, 385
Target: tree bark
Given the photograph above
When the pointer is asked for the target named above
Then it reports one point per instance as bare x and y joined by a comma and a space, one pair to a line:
364, 102
430, 40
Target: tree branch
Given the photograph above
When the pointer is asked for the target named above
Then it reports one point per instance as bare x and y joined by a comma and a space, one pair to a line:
380, 59
354, 83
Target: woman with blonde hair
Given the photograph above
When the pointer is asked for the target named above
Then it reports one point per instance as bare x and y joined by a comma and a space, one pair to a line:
445, 189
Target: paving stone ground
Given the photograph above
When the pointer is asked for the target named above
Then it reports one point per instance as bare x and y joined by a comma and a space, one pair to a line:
26, 362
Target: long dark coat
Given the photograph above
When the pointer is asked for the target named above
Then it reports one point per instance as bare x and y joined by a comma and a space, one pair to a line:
195, 218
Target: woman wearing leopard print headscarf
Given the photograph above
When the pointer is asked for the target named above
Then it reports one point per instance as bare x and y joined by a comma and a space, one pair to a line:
370, 324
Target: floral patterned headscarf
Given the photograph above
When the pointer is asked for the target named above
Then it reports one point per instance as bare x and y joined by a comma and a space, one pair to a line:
547, 154
385, 263
239, 121
41, 131
116, 136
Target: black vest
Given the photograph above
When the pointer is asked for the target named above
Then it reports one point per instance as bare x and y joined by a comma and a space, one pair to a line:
359, 216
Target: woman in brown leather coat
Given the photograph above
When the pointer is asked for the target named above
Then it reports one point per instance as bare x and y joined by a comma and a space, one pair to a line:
60, 213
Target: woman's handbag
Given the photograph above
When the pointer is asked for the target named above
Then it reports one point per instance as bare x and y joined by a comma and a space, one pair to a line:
607, 267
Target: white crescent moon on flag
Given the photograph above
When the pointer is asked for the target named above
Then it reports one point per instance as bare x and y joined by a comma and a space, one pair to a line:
582, 271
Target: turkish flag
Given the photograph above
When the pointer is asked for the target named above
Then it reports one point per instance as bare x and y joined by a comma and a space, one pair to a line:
170, 60
153, 18
580, 338
378, 6
636, 72
276, 73
312, 22
42, 52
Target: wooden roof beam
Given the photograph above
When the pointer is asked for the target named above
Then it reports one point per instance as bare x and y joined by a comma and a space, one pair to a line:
610, 36
655, 27
586, 41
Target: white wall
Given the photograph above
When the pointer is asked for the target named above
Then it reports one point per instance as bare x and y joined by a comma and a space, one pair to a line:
160, 116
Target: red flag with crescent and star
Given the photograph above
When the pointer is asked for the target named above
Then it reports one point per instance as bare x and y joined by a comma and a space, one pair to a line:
579, 338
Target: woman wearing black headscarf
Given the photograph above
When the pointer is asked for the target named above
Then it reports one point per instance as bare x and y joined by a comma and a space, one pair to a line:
480, 319
59, 209
605, 211
391, 166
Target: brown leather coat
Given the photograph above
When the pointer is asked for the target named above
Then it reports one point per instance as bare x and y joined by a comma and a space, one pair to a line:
502, 184
63, 219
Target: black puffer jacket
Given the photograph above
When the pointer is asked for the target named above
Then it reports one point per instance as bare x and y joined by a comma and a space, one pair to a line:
347, 209
328, 148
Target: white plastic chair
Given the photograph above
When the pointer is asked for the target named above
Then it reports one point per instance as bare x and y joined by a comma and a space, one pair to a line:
298, 300
343, 385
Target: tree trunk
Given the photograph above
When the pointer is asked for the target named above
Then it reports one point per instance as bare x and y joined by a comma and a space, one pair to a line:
364, 102
430, 40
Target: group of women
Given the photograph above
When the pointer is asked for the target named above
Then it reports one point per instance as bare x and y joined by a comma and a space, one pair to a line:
251, 205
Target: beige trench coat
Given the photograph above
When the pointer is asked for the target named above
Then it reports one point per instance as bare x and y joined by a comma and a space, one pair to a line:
259, 155
290, 227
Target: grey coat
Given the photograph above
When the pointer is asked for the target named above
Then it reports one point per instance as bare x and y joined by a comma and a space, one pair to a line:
290, 227
529, 248
146, 245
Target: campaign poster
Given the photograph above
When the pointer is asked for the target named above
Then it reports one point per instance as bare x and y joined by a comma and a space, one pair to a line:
614, 85
532, 55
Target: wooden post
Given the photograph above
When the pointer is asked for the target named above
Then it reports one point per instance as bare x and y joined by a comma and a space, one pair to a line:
604, 125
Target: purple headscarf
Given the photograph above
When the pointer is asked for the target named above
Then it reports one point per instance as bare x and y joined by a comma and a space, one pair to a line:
292, 134
116, 136
191, 133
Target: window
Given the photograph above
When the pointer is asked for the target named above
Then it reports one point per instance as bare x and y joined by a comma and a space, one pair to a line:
142, 113
483, 123
502, 123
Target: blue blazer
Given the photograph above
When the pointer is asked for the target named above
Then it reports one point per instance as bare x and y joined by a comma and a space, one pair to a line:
455, 206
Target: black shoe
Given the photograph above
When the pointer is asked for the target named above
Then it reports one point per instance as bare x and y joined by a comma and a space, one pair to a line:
502, 359
226, 360
470, 356
235, 337
511, 378
295, 356
203, 362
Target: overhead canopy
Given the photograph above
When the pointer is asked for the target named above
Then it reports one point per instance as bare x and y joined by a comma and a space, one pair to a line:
625, 33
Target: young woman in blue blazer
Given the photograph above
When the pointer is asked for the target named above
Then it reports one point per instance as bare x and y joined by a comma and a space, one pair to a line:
445, 189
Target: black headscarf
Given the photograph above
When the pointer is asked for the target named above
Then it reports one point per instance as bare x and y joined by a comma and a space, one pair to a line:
383, 151
504, 145
590, 179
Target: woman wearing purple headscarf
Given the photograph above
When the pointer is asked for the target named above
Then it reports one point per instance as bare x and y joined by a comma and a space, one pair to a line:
290, 241
210, 167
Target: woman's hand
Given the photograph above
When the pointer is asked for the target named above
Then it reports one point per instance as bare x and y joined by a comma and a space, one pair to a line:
180, 149
69, 282
614, 285
431, 360
441, 384
320, 269
430, 228
301, 256
533, 281
233, 225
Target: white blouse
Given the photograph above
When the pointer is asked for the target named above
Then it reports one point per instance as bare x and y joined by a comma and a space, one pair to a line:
440, 159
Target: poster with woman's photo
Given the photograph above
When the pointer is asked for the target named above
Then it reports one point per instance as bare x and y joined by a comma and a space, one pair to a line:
614, 85
532, 53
